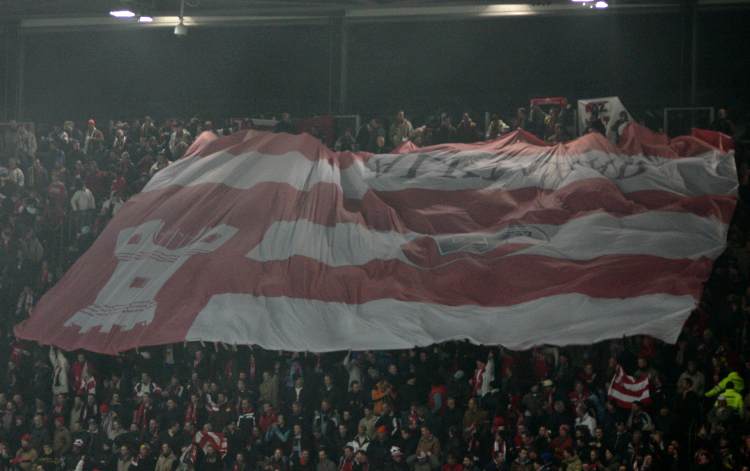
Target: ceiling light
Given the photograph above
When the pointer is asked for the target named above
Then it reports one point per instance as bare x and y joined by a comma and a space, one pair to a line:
180, 29
145, 19
126, 13
601, 4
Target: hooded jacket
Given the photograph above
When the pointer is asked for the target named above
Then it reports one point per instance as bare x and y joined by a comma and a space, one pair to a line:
734, 378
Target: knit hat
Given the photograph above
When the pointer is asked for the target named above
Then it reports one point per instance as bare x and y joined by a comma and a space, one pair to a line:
78, 442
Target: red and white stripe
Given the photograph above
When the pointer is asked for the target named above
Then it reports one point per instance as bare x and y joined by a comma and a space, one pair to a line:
507, 242
625, 389
215, 440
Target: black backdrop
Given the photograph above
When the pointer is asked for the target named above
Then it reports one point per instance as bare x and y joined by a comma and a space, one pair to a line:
477, 65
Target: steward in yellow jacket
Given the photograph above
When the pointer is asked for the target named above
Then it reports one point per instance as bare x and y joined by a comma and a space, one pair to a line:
734, 378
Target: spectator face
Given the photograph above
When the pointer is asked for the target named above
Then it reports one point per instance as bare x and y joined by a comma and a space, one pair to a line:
380, 141
165, 450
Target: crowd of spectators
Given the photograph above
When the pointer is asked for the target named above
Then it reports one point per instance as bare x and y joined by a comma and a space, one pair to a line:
450, 407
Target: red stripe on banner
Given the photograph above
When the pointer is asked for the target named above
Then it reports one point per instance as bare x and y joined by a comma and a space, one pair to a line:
634, 392
432, 211
424, 211
475, 280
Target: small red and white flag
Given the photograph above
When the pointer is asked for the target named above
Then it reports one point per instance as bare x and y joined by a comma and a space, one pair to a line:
214, 439
626, 389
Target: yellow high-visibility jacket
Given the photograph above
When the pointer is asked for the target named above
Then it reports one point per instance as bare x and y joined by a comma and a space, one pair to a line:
734, 377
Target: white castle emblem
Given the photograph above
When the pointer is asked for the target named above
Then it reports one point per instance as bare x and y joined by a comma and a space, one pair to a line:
143, 268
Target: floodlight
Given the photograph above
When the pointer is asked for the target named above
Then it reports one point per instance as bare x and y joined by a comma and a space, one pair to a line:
124, 13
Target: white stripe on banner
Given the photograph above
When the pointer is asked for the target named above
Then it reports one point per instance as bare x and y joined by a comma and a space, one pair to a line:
693, 176
469, 170
309, 325
639, 386
245, 171
662, 234
629, 397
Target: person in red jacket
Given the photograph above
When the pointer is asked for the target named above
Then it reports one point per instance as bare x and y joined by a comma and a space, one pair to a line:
452, 464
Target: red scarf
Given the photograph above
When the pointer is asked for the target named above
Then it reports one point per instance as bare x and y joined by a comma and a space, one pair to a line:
478, 379
191, 414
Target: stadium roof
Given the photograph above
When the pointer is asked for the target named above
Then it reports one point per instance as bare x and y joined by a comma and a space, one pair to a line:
25, 8
227, 12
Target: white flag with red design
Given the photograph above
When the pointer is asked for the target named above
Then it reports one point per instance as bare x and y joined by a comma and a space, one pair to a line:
274, 240
215, 440
625, 389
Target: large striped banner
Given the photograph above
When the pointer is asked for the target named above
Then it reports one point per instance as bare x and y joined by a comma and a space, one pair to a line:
274, 240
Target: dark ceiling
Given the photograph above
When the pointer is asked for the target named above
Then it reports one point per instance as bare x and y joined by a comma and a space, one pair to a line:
24, 8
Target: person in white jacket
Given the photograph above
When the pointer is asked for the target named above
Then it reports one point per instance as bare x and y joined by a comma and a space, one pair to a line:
84, 206
60, 369
83, 199
484, 374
